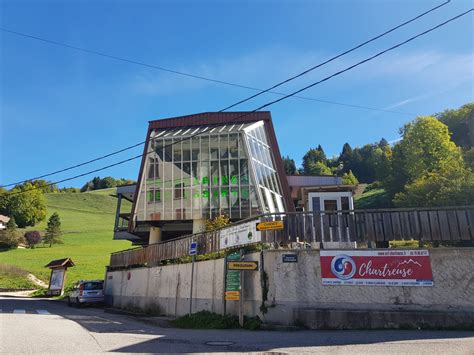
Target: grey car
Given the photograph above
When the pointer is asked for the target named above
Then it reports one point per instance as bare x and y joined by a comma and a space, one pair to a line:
86, 291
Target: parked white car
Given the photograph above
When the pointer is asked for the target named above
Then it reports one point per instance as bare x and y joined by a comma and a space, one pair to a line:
86, 291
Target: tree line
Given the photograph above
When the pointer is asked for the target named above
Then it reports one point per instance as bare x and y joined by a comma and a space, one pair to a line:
11, 237
431, 165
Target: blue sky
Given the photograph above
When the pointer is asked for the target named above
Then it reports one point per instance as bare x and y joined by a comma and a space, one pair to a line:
60, 107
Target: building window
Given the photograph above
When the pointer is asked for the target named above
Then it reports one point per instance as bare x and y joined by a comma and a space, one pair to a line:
153, 168
154, 195
345, 203
178, 191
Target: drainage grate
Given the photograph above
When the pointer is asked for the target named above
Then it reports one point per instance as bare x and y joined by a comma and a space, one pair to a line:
220, 343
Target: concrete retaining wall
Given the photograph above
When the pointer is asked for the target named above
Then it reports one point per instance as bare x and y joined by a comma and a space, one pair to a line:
292, 288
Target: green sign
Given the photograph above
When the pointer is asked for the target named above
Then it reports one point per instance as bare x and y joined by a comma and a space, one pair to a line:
232, 277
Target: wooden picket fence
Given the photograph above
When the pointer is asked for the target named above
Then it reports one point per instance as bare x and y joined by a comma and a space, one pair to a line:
452, 224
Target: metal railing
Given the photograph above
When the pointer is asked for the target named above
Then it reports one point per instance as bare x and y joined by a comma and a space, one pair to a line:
424, 224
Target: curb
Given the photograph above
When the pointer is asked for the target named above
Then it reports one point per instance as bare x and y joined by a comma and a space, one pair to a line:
161, 321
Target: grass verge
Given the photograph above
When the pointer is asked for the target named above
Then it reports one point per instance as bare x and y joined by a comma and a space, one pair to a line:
12, 277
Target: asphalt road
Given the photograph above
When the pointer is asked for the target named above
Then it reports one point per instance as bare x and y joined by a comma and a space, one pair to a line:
43, 326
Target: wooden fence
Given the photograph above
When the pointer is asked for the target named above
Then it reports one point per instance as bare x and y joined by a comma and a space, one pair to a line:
448, 224
442, 225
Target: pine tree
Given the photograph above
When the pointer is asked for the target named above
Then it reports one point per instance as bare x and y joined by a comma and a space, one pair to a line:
289, 165
53, 231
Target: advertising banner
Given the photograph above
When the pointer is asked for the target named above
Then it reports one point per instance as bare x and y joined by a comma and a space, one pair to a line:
376, 267
241, 234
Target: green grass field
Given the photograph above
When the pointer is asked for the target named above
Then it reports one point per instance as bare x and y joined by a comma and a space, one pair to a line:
87, 223
14, 277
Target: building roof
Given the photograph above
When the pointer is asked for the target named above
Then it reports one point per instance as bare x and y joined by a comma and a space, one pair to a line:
210, 118
66, 262
313, 180
4, 219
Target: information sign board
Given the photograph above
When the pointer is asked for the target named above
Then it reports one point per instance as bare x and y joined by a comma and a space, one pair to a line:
240, 234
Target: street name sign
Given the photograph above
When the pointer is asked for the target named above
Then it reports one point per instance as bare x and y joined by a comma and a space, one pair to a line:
289, 258
273, 225
242, 265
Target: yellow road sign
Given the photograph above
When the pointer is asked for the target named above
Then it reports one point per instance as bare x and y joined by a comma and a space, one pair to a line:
242, 265
264, 226
232, 295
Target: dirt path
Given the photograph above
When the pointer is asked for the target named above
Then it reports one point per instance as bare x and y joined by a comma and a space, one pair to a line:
37, 281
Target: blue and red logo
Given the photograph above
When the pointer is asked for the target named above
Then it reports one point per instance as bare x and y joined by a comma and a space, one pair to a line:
343, 267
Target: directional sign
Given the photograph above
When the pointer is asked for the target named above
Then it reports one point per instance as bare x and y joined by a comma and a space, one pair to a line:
265, 226
242, 265
232, 295
193, 248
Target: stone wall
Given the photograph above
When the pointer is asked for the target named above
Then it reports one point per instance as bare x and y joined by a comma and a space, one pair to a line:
291, 288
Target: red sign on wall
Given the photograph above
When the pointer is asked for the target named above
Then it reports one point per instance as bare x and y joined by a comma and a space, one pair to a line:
376, 267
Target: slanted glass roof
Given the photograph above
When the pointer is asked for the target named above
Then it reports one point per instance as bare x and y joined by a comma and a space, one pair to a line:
203, 171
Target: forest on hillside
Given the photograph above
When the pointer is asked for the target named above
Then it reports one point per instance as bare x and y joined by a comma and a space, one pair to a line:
431, 165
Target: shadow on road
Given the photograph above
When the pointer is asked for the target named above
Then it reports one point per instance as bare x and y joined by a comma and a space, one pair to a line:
95, 320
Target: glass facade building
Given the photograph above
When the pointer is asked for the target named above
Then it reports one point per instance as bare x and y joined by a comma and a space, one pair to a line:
199, 172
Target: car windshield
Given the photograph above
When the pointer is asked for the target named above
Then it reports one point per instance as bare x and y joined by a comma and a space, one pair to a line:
92, 285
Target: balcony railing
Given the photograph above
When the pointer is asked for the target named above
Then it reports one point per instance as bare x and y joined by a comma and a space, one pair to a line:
122, 222
452, 224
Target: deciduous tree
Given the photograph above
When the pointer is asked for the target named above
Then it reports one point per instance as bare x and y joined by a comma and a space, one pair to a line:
25, 203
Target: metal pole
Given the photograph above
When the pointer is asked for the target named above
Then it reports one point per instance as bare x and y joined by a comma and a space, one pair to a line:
191, 288
225, 283
241, 300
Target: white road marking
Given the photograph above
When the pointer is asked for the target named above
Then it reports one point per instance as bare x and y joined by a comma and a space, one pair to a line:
42, 311
19, 311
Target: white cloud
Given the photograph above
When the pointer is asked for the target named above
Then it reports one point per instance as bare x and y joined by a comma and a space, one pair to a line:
423, 69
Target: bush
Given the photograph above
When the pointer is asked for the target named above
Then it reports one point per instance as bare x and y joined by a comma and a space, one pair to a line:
209, 320
10, 237
32, 238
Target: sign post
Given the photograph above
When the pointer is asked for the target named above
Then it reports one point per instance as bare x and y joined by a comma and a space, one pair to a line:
232, 279
241, 302
192, 251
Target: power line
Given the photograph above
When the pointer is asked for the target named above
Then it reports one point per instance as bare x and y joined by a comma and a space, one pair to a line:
261, 91
76, 166
272, 102
338, 56
61, 44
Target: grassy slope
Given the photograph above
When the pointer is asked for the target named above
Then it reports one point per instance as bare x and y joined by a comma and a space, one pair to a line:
13, 277
87, 223
372, 199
